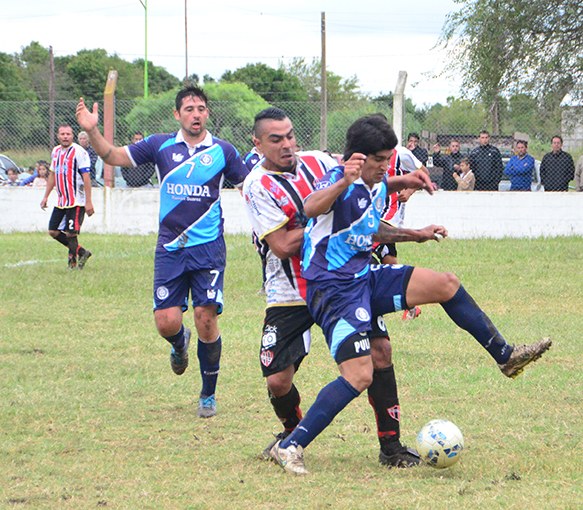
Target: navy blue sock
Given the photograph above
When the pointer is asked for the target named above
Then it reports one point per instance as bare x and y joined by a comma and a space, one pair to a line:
331, 400
209, 357
177, 340
464, 311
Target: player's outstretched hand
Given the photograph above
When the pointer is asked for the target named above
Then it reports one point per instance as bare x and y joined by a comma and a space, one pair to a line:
432, 233
87, 120
353, 167
418, 180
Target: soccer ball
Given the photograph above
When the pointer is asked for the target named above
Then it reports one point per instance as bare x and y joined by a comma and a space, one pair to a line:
440, 444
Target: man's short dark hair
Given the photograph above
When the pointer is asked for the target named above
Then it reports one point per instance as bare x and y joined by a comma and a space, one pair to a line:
484, 132
557, 136
465, 160
413, 135
524, 142
271, 113
368, 135
190, 91
138, 133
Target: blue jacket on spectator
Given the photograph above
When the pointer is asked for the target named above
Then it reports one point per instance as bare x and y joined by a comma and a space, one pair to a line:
520, 172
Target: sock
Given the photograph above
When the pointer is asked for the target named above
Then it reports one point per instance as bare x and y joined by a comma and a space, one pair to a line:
62, 238
177, 340
73, 245
464, 311
330, 401
209, 356
383, 397
287, 408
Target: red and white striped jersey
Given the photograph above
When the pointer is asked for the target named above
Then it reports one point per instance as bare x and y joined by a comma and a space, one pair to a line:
68, 165
402, 162
274, 200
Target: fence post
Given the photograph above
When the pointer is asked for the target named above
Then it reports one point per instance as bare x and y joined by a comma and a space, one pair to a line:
109, 122
399, 106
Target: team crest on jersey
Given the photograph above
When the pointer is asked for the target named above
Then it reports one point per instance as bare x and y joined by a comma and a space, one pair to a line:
162, 292
362, 314
323, 185
206, 160
266, 358
379, 203
177, 157
361, 203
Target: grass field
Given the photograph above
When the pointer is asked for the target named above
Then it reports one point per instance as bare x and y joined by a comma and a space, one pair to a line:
92, 416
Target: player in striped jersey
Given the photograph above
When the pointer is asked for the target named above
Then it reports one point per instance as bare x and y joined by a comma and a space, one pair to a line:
274, 194
69, 173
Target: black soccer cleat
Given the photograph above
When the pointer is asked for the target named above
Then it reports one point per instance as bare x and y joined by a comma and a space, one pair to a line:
400, 457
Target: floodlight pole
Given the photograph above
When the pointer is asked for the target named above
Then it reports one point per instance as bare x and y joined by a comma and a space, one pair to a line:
145, 6
186, 38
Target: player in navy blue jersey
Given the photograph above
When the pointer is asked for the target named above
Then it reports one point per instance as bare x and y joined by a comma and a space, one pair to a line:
344, 292
190, 253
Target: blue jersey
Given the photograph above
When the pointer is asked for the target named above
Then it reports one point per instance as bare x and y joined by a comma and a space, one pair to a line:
190, 179
338, 244
252, 158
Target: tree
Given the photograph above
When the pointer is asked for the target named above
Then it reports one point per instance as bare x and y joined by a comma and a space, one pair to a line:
500, 47
273, 85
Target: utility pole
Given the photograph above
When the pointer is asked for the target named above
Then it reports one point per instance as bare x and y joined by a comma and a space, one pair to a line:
51, 98
324, 89
186, 39
145, 6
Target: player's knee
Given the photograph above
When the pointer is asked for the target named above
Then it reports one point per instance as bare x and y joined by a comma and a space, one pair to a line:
54, 233
381, 352
279, 384
449, 285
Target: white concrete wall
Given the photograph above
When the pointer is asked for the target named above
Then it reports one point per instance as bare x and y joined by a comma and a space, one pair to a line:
464, 214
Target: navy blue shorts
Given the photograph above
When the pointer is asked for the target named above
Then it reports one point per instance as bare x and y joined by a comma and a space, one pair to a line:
178, 273
344, 308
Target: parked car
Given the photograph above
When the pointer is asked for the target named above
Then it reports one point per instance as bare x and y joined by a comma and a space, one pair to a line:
7, 164
504, 184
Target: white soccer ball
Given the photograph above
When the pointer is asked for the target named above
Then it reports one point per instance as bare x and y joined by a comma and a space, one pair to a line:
440, 444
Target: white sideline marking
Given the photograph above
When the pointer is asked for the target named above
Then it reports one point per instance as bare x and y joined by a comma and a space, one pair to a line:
30, 263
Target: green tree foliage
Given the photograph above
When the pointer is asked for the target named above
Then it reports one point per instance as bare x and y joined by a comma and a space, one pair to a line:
499, 47
458, 116
273, 85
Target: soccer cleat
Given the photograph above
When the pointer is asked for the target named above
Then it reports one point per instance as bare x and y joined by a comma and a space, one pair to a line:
72, 264
179, 359
207, 407
266, 454
291, 459
400, 457
411, 314
522, 355
83, 258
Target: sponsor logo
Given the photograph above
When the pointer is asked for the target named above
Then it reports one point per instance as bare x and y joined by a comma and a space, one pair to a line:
211, 294
381, 323
187, 190
362, 314
206, 160
323, 185
266, 358
162, 292
395, 412
362, 345
359, 242
268, 340
177, 157
362, 203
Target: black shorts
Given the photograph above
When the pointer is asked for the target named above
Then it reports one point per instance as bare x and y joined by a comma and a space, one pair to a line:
67, 219
382, 250
286, 338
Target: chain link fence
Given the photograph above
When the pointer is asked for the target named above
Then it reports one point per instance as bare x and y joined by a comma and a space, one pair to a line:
26, 130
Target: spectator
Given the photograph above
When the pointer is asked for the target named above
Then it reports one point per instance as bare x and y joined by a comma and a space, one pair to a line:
83, 140
579, 175
418, 152
449, 162
520, 168
557, 168
466, 181
486, 163
138, 176
12, 175
43, 175
32, 175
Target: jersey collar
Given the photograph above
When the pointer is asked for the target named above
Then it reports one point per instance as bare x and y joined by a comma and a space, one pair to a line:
207, 142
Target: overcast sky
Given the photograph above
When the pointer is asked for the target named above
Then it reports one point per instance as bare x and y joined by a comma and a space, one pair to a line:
372, 39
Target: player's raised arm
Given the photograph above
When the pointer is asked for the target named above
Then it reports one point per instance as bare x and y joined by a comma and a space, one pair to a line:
414, 180
390, 234
320, 201
116, 156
